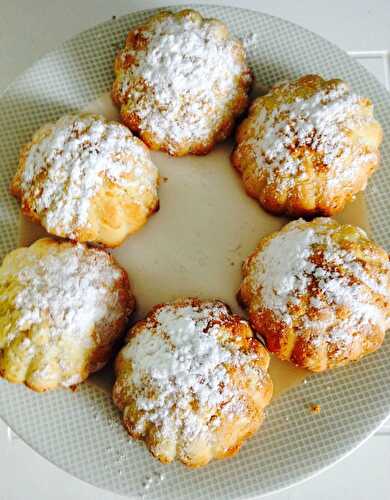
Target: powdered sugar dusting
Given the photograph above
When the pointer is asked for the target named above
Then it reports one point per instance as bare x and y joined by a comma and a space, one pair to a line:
249, 40
284, 270
180, 371
306, 259
65, 169
182, 80
71, 287
318, 124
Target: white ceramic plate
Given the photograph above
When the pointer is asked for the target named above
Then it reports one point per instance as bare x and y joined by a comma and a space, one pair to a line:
194, 246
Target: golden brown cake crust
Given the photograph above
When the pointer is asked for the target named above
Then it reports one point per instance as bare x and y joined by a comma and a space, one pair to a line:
318, 292
63, 307
87, 179
181, 82
192, 382
307, 147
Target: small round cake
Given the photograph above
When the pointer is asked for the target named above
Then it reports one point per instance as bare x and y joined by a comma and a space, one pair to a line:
63, 306
181, 82
192, 382
307, 147
87, 179
319, 293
